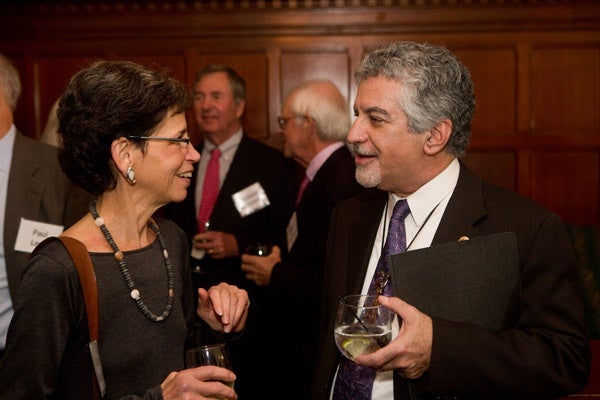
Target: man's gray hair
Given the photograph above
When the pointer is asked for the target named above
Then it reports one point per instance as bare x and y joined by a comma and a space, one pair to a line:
322, 100
10, 84
435, 86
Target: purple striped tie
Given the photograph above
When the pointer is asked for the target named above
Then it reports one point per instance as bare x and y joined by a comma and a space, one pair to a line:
353, 381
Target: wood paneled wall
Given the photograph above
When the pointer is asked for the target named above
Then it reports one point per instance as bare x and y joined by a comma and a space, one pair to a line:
535, 64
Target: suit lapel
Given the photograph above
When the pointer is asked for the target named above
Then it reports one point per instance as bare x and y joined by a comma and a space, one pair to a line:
224, 210
465, 208
23, 197
362, 237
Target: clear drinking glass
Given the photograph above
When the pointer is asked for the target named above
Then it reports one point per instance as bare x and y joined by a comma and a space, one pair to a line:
213, 354
362, 326
259, 249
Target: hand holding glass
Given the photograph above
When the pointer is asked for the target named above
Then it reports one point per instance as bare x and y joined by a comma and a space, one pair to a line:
362, 326
214, 354
259, 249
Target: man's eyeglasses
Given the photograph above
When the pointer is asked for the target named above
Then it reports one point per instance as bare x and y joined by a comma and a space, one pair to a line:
183, 141
283, 121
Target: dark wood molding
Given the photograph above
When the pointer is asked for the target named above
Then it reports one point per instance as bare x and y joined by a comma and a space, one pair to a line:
535, 65
106, 19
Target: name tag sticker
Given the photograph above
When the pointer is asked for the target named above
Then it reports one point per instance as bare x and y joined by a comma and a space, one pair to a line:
250, 199
31, 233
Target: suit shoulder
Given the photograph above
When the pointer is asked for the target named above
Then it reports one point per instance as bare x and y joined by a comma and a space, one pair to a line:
260, 148
337, 177
38, 149
364, 197
499, 198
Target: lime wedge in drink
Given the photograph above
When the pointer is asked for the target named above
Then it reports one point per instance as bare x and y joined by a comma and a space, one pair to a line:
355, 346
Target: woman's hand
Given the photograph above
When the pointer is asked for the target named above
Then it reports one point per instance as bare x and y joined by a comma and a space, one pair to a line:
208, 382
223, 307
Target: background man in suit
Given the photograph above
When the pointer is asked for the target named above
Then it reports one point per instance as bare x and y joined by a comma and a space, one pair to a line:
314, 122
253, 197
413, 114
32, 187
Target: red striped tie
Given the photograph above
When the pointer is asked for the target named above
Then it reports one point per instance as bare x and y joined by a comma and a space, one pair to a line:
303, 185
210, 189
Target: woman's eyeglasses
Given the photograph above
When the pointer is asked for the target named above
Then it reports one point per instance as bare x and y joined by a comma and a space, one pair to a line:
183, 141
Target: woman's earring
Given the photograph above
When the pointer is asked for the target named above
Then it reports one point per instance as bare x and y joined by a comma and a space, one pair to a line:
130, 175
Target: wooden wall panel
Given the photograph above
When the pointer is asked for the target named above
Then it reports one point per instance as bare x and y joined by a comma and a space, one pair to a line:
499, 168
494, 75
535, 65
175, 64
297, 67
53, 74
565, 90
568, 183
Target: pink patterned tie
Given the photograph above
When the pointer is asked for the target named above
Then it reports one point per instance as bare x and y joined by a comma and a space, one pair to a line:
355, 382
210, 189
303, 185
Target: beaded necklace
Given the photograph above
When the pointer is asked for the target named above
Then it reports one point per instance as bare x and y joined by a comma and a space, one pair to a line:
133, 291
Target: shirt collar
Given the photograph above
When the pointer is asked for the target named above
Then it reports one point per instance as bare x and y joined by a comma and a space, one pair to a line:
423, 201
228, 145
317, 162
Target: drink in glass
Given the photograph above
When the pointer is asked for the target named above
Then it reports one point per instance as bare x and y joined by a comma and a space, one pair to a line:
362, 325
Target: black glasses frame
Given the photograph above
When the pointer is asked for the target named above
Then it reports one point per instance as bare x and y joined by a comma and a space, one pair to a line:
166, 139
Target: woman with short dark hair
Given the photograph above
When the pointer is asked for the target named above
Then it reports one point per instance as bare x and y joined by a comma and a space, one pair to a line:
125, 140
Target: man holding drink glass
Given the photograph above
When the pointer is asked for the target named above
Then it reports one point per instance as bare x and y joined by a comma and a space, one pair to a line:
413, 114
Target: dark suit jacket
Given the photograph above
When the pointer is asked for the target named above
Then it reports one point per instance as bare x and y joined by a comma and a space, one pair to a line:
253, 162
295, 287
543, 351
38, 190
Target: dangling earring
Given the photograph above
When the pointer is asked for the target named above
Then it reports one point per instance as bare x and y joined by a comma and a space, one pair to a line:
130, 175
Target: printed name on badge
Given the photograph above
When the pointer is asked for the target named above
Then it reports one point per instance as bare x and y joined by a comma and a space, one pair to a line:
31, 233
250, 199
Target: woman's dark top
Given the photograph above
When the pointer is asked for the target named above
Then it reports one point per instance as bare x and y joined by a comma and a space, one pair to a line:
46, 355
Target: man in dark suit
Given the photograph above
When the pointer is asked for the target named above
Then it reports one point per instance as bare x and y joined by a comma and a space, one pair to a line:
34, 192
314, 122
254, 197
244, 164
413, 113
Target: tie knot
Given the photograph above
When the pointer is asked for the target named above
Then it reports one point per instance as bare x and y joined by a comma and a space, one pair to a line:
216, 152
401, 210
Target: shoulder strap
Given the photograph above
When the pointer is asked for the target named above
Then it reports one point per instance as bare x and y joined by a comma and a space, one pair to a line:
87, 277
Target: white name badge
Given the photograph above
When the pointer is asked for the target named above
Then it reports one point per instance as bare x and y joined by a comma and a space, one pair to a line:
292, 231
198, 253
31, 233
250, 199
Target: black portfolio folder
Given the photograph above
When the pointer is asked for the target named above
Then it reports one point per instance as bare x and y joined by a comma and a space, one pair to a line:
465, 281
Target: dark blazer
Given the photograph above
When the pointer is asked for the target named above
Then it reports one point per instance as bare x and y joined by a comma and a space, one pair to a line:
295, 287
543, 351
253, 162
38, 190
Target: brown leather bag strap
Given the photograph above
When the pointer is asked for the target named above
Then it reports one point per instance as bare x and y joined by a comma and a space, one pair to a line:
87, 277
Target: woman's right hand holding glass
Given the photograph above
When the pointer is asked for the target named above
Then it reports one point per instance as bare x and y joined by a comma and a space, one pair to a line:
206, 382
